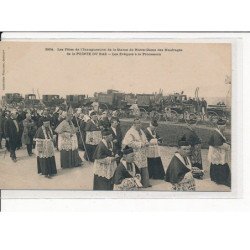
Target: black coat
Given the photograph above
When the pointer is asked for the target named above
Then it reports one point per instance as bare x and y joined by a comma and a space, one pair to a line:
118, 137
102, 151
10, 131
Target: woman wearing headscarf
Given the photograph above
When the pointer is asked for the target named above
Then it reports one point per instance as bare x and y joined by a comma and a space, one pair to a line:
179, 171
155, 167
67, 143
218, 155
46, 164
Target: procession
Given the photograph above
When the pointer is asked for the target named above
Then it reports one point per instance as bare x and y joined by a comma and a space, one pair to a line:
116, 123
119, 158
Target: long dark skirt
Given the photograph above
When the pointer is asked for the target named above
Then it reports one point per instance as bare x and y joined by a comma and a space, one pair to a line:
101, 183
220, 174
46, 166
70, 159
155, 168
90, 150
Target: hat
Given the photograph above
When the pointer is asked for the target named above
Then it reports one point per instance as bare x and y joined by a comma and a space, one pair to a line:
221, 122
92, 112
106, 132
154, 123
127, 150
183, 142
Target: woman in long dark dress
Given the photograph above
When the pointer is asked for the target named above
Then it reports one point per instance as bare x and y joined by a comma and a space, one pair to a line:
218, 156
46, 164
155, 166
68, 144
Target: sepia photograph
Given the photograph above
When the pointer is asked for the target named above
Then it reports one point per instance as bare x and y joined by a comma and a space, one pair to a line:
144, 115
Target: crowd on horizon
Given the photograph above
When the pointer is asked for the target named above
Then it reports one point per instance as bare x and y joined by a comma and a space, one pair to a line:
120, 161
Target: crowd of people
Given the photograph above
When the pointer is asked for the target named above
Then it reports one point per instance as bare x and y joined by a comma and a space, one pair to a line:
121, 161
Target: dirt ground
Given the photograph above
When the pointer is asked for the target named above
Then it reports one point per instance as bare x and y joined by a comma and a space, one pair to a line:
23, 174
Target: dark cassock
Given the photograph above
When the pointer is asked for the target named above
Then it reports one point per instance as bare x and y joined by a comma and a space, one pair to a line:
195, 150
127, 175
77, 122
104, 123
46, 164
104, 163
55, 120
19, 119
29, 130
11, 132
218, 157
93, 137
42, 118
35, 117
117, 135
155, 166
68, 144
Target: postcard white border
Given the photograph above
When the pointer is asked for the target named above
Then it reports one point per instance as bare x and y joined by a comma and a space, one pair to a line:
237, 41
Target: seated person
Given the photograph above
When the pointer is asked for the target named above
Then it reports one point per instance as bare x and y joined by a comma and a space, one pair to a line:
179, 171
127, 175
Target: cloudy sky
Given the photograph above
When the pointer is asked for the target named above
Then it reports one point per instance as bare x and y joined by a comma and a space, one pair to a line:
28, 66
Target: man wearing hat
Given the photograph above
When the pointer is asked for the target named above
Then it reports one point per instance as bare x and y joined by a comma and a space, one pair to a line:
105, 158
11, 131
127, 175
218, 155
93, 136
179, 171
29, 130
155, 166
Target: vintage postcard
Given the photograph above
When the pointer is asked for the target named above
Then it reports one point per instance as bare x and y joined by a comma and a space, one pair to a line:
107, 115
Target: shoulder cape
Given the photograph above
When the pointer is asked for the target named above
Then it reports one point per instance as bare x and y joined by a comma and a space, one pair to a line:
176, 170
